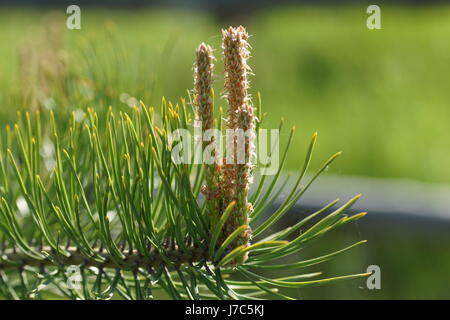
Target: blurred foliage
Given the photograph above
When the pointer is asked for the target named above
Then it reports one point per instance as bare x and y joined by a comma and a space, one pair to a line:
381, 96
414, 263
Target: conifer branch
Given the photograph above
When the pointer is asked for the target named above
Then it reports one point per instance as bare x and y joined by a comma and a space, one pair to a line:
106, 193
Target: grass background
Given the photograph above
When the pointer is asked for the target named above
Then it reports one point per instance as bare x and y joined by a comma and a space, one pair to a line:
381, 96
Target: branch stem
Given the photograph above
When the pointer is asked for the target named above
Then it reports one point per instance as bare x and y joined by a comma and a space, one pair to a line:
14, 259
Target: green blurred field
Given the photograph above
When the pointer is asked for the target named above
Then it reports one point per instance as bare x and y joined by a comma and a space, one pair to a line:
380, 96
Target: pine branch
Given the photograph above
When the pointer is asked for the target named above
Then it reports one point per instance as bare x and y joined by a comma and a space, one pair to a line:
108, 194
132, 259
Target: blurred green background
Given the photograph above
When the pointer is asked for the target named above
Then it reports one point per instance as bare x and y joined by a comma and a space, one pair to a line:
381, 96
